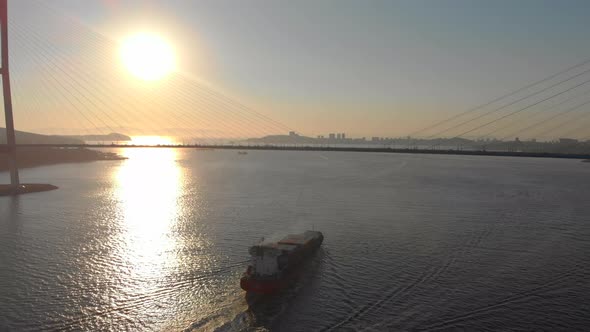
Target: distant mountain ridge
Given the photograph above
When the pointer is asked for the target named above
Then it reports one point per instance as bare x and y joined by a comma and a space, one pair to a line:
283, 139
23, 137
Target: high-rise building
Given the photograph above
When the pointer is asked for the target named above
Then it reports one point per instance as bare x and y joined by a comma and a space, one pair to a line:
338, 136
332, 136
343, 135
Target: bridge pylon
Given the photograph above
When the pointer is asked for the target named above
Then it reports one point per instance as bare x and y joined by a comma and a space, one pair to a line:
10, 135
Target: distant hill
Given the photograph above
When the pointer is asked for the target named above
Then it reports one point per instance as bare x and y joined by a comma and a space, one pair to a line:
455, 141
23, 137
39, 156
283, 139
112, 137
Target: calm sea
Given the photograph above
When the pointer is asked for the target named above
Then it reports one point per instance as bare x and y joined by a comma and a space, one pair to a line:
412, 242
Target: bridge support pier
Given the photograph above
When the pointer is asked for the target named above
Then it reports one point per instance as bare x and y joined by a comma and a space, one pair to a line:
10, 134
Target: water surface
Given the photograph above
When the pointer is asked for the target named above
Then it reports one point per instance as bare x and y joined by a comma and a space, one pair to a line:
159, 241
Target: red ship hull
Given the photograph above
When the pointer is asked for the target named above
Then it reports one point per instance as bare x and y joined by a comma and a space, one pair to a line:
250, 284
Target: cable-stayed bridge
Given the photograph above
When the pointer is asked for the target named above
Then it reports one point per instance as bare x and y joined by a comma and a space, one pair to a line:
67, 76
532, 110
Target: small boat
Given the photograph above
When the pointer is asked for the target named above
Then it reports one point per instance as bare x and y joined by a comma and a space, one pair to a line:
242, 152
275, 263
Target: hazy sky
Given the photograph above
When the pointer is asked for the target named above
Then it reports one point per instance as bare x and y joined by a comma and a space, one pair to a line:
362, 67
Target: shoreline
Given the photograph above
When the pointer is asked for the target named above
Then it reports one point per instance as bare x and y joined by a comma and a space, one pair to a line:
30, 157
33, 155
25, 188
349, 149
406, 150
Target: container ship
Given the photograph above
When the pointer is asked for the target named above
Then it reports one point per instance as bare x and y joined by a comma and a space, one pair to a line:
274, 263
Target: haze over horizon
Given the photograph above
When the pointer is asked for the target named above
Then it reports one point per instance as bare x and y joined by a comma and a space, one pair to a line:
384, 69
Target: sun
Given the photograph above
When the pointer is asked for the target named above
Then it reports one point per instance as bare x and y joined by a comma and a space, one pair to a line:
147, 56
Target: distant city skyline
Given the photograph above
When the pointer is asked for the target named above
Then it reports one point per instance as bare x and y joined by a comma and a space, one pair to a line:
340, 136
382, 68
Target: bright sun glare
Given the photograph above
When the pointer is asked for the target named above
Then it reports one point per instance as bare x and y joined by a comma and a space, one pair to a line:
147, 56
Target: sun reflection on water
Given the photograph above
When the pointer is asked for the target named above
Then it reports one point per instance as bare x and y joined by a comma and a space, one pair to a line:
159, 256
148, 189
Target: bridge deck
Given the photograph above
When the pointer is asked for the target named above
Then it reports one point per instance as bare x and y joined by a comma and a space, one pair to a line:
3, 147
